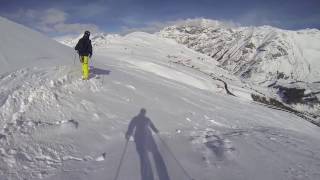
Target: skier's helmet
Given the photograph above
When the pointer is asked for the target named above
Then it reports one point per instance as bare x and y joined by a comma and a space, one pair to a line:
87, 33
143, 111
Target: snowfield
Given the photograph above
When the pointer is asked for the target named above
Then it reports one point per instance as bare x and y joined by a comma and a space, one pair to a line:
55, 126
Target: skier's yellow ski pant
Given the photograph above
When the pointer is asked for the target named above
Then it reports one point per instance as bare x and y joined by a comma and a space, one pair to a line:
85, 67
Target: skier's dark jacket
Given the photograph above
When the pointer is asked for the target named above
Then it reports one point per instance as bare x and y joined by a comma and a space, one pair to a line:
84, 46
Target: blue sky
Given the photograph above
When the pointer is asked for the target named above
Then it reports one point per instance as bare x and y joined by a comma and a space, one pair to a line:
60, 17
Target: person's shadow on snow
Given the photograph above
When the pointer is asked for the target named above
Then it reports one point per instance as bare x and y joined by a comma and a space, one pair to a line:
99, 71
142, 126
94, 72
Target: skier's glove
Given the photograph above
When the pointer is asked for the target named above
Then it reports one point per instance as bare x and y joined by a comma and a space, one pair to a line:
90, 55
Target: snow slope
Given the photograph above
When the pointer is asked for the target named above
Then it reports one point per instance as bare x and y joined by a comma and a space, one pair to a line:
55, 126
263, 59
21, 47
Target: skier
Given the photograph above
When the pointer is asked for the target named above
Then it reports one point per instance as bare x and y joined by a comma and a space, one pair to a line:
84, 49
145, 143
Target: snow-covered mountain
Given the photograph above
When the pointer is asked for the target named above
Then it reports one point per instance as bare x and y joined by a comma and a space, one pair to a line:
55, 126
261, 54
276, 63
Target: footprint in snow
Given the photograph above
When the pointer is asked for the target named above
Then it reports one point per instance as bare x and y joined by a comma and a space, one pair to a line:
216, 143
71, 121
102, 157
2, 136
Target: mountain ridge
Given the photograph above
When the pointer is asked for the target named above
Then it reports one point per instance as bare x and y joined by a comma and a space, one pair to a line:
267, 52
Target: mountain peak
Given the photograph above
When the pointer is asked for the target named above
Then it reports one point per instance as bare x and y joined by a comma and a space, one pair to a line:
201, 23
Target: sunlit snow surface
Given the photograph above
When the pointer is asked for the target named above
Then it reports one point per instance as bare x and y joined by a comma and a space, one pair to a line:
55, 126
